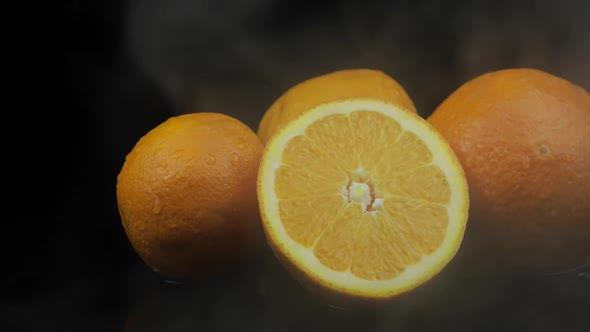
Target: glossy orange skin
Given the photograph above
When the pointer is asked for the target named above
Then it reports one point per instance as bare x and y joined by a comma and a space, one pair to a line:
337, 85
523, 138
187, 194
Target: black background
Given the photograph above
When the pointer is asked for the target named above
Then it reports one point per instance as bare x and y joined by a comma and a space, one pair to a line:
129, 65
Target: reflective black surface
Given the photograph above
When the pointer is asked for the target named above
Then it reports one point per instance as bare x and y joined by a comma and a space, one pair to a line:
132, 64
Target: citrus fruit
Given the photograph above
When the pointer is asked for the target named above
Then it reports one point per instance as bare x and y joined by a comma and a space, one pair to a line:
186, 194
362, 199
523, 138
336, 85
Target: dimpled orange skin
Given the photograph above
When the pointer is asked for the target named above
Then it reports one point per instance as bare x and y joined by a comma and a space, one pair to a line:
187, 194
523, 138
342, 84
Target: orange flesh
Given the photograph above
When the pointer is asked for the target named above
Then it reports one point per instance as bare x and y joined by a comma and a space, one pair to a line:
401, 216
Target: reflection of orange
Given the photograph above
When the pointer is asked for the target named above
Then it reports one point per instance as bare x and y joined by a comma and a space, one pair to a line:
361, 198
523, 138
186, 193
338, 85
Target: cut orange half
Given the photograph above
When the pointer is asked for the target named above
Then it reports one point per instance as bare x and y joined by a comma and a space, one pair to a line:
362, 198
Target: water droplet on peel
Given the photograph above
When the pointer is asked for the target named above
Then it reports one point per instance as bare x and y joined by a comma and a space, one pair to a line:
235, 159
525, 163
210, 159
157, 206
241, 145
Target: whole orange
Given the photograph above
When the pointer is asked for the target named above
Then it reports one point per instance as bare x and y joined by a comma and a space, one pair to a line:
523, 138
333, 86
186, 194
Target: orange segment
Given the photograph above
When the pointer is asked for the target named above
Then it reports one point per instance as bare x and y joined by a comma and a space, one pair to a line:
293, 179
398, 155
306, 219
334, 248
407, 153
424, 225
381, 253
294, 182
370, 144
426, 183
364, 198
301, 153
332, 136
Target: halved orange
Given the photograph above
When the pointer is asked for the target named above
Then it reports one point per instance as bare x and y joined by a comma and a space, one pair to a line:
362, 198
